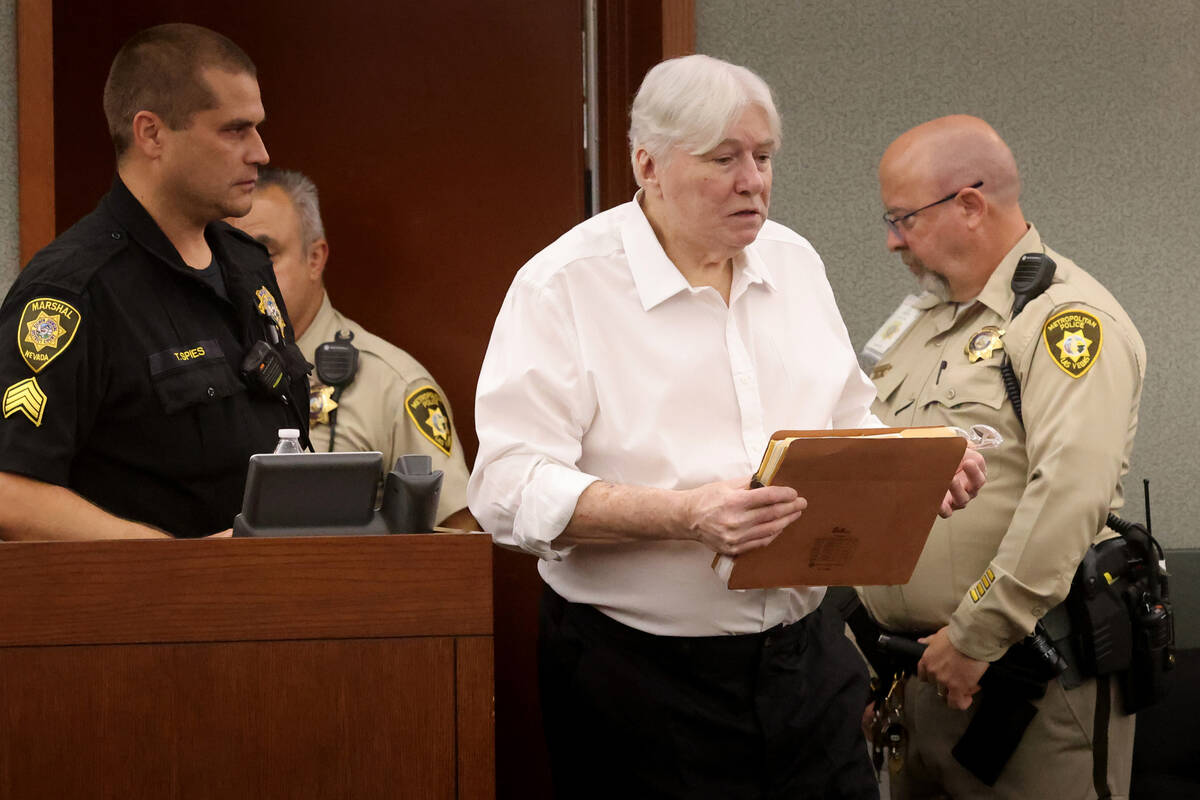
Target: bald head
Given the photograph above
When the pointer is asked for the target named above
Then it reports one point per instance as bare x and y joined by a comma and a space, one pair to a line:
949, 153
960, 240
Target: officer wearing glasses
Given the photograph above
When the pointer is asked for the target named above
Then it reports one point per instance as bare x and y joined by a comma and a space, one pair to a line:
991, 572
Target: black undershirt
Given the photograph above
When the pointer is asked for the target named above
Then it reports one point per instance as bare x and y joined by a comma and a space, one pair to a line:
211, 275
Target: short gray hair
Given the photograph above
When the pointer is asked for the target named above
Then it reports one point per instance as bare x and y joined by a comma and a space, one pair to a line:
690, 102
303, 193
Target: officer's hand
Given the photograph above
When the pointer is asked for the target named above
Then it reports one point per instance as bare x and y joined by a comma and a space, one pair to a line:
225, 534
731, 518
956, 675
968, 480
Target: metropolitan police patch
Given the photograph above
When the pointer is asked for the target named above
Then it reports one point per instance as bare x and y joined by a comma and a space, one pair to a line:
46, 329
1073, 339
428, 413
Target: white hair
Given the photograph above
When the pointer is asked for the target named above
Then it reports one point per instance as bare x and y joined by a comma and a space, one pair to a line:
690, 102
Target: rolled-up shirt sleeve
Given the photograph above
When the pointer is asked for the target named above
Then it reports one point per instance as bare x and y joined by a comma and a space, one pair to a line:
533, 406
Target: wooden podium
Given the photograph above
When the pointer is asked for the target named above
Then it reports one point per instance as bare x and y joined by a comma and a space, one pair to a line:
327, 667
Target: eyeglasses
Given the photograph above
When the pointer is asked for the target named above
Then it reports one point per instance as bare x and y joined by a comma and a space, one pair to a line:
893, 223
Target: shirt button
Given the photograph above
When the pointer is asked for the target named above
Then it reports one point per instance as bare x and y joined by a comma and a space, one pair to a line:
116, 235
950, 394
212, 392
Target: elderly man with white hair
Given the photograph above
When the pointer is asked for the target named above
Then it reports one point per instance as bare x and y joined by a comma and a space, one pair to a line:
637, 368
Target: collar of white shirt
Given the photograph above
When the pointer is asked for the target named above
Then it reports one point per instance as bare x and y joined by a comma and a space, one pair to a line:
658, 279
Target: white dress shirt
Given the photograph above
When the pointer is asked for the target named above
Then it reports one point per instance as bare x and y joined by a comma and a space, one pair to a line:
606, 364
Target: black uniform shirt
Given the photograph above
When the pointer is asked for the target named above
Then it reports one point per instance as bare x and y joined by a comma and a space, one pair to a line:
120, 370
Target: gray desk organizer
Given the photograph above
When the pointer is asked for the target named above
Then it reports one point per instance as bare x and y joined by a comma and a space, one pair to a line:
330, 494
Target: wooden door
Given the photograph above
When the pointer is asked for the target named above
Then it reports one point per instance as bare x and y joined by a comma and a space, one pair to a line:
445, 140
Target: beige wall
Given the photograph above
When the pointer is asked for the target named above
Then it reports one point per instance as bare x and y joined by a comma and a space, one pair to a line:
9, 245
1099, 101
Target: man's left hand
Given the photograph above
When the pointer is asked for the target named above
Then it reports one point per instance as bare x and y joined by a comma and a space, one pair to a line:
968, 480
956, 675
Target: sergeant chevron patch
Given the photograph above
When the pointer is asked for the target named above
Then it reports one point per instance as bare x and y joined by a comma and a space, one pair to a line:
28, 398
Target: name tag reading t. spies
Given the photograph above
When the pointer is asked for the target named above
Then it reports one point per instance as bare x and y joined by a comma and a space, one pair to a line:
178, 357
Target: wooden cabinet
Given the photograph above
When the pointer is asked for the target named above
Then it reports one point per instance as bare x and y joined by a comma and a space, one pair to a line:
258, 668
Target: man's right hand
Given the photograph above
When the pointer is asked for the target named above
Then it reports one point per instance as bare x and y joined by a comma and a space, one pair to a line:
731, 518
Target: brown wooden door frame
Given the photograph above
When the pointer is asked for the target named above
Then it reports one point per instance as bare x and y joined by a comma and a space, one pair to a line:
629, 43
35, 125
626, 53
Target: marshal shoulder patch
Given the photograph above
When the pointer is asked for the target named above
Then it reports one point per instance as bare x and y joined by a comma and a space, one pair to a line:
1073, 339
428, 412
28, 398
46, 330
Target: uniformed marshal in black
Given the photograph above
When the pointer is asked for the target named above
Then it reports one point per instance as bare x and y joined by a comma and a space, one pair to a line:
121, 344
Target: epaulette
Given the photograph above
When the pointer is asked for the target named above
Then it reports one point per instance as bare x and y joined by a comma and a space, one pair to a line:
224, 227
399, 361
71, 261
238, 238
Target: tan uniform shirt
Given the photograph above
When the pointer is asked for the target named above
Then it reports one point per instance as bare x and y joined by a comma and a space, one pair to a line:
997, 566
392, 406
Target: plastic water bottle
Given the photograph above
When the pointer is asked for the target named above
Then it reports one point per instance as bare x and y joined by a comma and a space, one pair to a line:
289, 441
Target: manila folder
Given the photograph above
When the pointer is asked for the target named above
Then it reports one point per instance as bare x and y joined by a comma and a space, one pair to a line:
873, 496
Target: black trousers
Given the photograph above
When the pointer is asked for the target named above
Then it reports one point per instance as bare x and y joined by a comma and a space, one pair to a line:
769, 715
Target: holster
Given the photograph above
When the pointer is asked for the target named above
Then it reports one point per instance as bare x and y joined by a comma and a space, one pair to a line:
1007, 692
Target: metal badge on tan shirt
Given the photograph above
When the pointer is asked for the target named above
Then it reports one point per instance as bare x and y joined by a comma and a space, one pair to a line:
320, 404
46, 330
269, 308
981, 345
428, 412
1073, 339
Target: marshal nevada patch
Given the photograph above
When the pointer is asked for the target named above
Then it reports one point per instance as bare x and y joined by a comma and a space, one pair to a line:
46, 329
428, 413
1073, 339
28, 398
